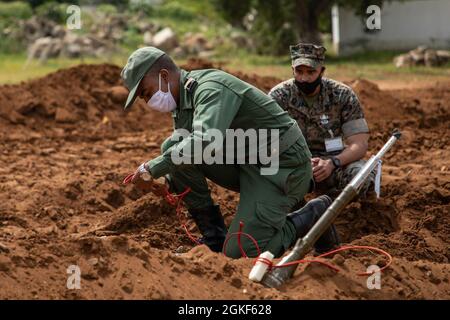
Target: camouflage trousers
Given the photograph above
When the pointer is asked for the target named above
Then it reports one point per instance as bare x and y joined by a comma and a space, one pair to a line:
340, 177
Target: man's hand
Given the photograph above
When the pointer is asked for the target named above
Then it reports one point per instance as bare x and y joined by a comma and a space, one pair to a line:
314, 161
322, 169
149, 185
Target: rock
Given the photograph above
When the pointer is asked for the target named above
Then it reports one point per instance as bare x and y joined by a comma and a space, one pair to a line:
431, 59
148, 38
58, 31
4, 248
93, 261
443, 55
44, 48
442, 194
422, 56
47, 230
15, 231
115, 198
64, 116
118, 94
15, 117
236, 282
165, 39
144, 26
195, 43
5, 264
181, 250
418, 54
179, 52
206, 54
128, 287
73, 50
403, 60
428, 190
240, 40
432, 277
338, 259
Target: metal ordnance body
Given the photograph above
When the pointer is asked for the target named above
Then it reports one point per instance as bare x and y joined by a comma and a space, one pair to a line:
278, 276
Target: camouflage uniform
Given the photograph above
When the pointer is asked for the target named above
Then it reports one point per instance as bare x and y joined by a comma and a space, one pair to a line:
335, 112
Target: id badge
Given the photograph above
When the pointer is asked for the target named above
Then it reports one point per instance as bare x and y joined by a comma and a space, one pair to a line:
334, 144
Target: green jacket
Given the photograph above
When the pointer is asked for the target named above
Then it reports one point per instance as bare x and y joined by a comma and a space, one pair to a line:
222, 101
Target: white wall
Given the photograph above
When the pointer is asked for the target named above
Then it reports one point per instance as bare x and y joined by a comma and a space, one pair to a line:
404, 26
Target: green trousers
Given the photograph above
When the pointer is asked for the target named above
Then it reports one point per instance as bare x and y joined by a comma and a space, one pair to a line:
264, 202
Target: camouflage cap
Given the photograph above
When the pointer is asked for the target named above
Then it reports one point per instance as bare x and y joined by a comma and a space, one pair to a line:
137, 66
307, 54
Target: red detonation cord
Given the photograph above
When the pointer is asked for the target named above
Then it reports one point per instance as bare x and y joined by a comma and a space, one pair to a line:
128, 178
272, 266
176, 199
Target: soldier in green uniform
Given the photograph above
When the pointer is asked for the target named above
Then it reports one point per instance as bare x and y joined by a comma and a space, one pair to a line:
220, 101
330, 117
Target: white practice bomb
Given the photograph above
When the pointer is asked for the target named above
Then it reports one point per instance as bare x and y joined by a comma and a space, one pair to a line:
260, 268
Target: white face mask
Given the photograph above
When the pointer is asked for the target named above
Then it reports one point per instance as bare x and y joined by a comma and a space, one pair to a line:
162, 101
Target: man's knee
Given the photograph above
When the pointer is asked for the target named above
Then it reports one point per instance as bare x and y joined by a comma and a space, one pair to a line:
355, 167
351, 170
232, 248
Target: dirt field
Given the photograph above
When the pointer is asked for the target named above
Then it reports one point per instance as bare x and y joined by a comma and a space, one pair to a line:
66, 145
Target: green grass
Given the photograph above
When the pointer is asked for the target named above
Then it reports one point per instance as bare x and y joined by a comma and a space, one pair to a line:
201, 16
13, 68
373, 66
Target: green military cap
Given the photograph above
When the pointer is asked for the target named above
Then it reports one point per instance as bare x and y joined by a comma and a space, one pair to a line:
307, 54
137, 66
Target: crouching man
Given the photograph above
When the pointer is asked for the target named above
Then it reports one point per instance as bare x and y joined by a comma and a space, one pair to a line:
205, 101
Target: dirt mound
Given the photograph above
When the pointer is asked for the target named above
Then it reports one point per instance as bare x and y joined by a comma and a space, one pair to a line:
377, 102
263, 83
86, 96
66, 146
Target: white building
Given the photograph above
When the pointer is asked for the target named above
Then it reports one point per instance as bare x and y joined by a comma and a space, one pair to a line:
404, 26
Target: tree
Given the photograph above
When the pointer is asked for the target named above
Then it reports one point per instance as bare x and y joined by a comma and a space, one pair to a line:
282, 22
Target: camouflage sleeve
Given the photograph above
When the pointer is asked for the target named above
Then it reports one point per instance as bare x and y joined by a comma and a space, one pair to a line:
353, 121
280, 96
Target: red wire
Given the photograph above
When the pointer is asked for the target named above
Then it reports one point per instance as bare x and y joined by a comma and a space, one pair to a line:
241, 226
128, 178
383, 252
176, 199
242, 250
272, 266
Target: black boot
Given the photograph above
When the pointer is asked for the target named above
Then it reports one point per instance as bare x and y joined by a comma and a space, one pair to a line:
305, 218
210, 222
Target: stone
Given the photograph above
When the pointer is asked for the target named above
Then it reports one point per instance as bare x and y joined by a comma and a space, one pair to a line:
147, 38
4, 248
5, 263
165, 39
64, 116
118, 94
